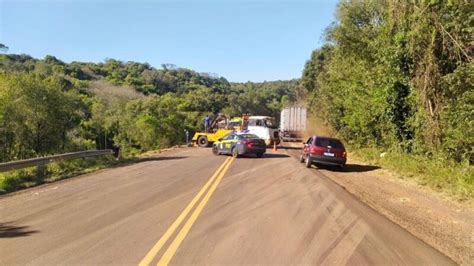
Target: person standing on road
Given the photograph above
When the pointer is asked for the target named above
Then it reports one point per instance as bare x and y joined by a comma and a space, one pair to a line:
206, 123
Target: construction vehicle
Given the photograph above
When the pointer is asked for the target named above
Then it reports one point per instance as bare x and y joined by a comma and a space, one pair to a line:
262, 126
218, 128
235, 123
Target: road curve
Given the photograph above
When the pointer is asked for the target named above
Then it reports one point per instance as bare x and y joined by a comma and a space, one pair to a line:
261, 211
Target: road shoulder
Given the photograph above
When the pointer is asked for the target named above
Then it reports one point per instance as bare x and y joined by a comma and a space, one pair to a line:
444, 224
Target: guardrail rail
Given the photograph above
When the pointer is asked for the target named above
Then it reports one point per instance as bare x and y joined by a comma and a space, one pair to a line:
8, 166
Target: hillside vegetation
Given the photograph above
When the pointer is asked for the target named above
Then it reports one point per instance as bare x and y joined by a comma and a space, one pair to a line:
49, 106
397, 77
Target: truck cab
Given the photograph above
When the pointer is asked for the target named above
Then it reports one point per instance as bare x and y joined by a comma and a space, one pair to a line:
264, 127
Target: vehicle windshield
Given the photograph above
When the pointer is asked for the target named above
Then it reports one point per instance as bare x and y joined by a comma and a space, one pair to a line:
270, 122
325, 142
248, 136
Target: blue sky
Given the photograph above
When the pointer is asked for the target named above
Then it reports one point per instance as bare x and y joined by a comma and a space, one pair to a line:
240, 40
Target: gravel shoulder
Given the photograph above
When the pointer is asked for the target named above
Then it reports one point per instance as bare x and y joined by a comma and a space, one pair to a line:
442, 223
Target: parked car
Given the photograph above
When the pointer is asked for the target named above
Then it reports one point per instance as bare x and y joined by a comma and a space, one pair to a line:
323, 150
240, 143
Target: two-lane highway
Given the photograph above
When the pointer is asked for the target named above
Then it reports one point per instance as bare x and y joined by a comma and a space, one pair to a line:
191, 207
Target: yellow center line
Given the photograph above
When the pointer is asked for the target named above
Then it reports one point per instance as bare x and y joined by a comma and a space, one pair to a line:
157, 247
168, 255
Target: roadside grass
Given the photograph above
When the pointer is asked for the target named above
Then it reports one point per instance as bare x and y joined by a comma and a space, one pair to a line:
33, 176
449, 178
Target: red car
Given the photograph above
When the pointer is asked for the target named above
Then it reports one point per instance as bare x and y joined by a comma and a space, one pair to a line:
323, 150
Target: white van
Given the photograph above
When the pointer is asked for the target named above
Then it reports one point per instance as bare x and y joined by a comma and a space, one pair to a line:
265, 128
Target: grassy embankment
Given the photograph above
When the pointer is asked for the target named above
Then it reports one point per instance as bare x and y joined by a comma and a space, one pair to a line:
446, 177
452, 179
33, 176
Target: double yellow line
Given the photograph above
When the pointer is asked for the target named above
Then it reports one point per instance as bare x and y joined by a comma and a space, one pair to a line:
213, 182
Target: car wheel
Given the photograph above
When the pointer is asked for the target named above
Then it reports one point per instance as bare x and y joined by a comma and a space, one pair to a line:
235, 153
202, 141
215, 150
259, 155
302, 158
308, 162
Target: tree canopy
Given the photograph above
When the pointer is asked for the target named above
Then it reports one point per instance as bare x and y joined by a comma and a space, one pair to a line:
398, 75
49, 106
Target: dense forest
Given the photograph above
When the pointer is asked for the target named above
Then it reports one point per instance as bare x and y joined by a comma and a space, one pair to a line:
49, 106
392, 75
398, 75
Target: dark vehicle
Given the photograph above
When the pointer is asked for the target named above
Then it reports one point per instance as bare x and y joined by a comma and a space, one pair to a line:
323, 150
237, 144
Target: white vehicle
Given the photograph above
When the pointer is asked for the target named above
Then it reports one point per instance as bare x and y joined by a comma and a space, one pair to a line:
265, 128
292, 123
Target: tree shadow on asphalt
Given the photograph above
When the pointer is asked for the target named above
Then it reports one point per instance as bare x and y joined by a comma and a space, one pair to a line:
266, 155
275, 155
349, 168
292, 148
135, 160
164, 158
8, 230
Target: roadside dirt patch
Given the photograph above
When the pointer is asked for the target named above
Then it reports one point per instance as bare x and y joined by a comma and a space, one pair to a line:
444, 224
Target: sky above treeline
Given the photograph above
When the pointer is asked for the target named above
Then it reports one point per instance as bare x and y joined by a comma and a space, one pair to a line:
239, 40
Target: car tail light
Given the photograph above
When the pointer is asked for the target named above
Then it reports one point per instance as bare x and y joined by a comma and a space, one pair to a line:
246, 142
344, 154
316, 150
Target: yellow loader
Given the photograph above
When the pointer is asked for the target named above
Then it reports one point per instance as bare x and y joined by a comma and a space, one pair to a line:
205, 139
217, 129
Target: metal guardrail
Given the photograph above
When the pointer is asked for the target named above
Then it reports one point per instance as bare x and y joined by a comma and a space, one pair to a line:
4, 167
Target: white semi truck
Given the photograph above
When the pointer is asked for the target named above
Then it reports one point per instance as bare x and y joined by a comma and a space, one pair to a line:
293, 123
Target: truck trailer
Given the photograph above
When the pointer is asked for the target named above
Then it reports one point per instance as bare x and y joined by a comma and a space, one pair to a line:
293, 123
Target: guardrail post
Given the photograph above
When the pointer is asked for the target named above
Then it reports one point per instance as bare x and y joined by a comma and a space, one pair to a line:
40, 173
116, 150
187, 137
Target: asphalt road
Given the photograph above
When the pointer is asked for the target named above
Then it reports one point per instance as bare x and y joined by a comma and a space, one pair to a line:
188, 206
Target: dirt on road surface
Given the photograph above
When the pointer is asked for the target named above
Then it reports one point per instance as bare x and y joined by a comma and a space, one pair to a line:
248, 211
446, 225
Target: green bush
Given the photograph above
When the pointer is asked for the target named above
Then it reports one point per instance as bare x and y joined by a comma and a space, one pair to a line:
453, 179
28, 177
398, 76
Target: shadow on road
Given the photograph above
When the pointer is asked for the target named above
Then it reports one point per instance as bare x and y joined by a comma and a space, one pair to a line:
135, 160
275, 155
164, 158
350, 168
9, 230
266, 155
292, 148
357, 168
